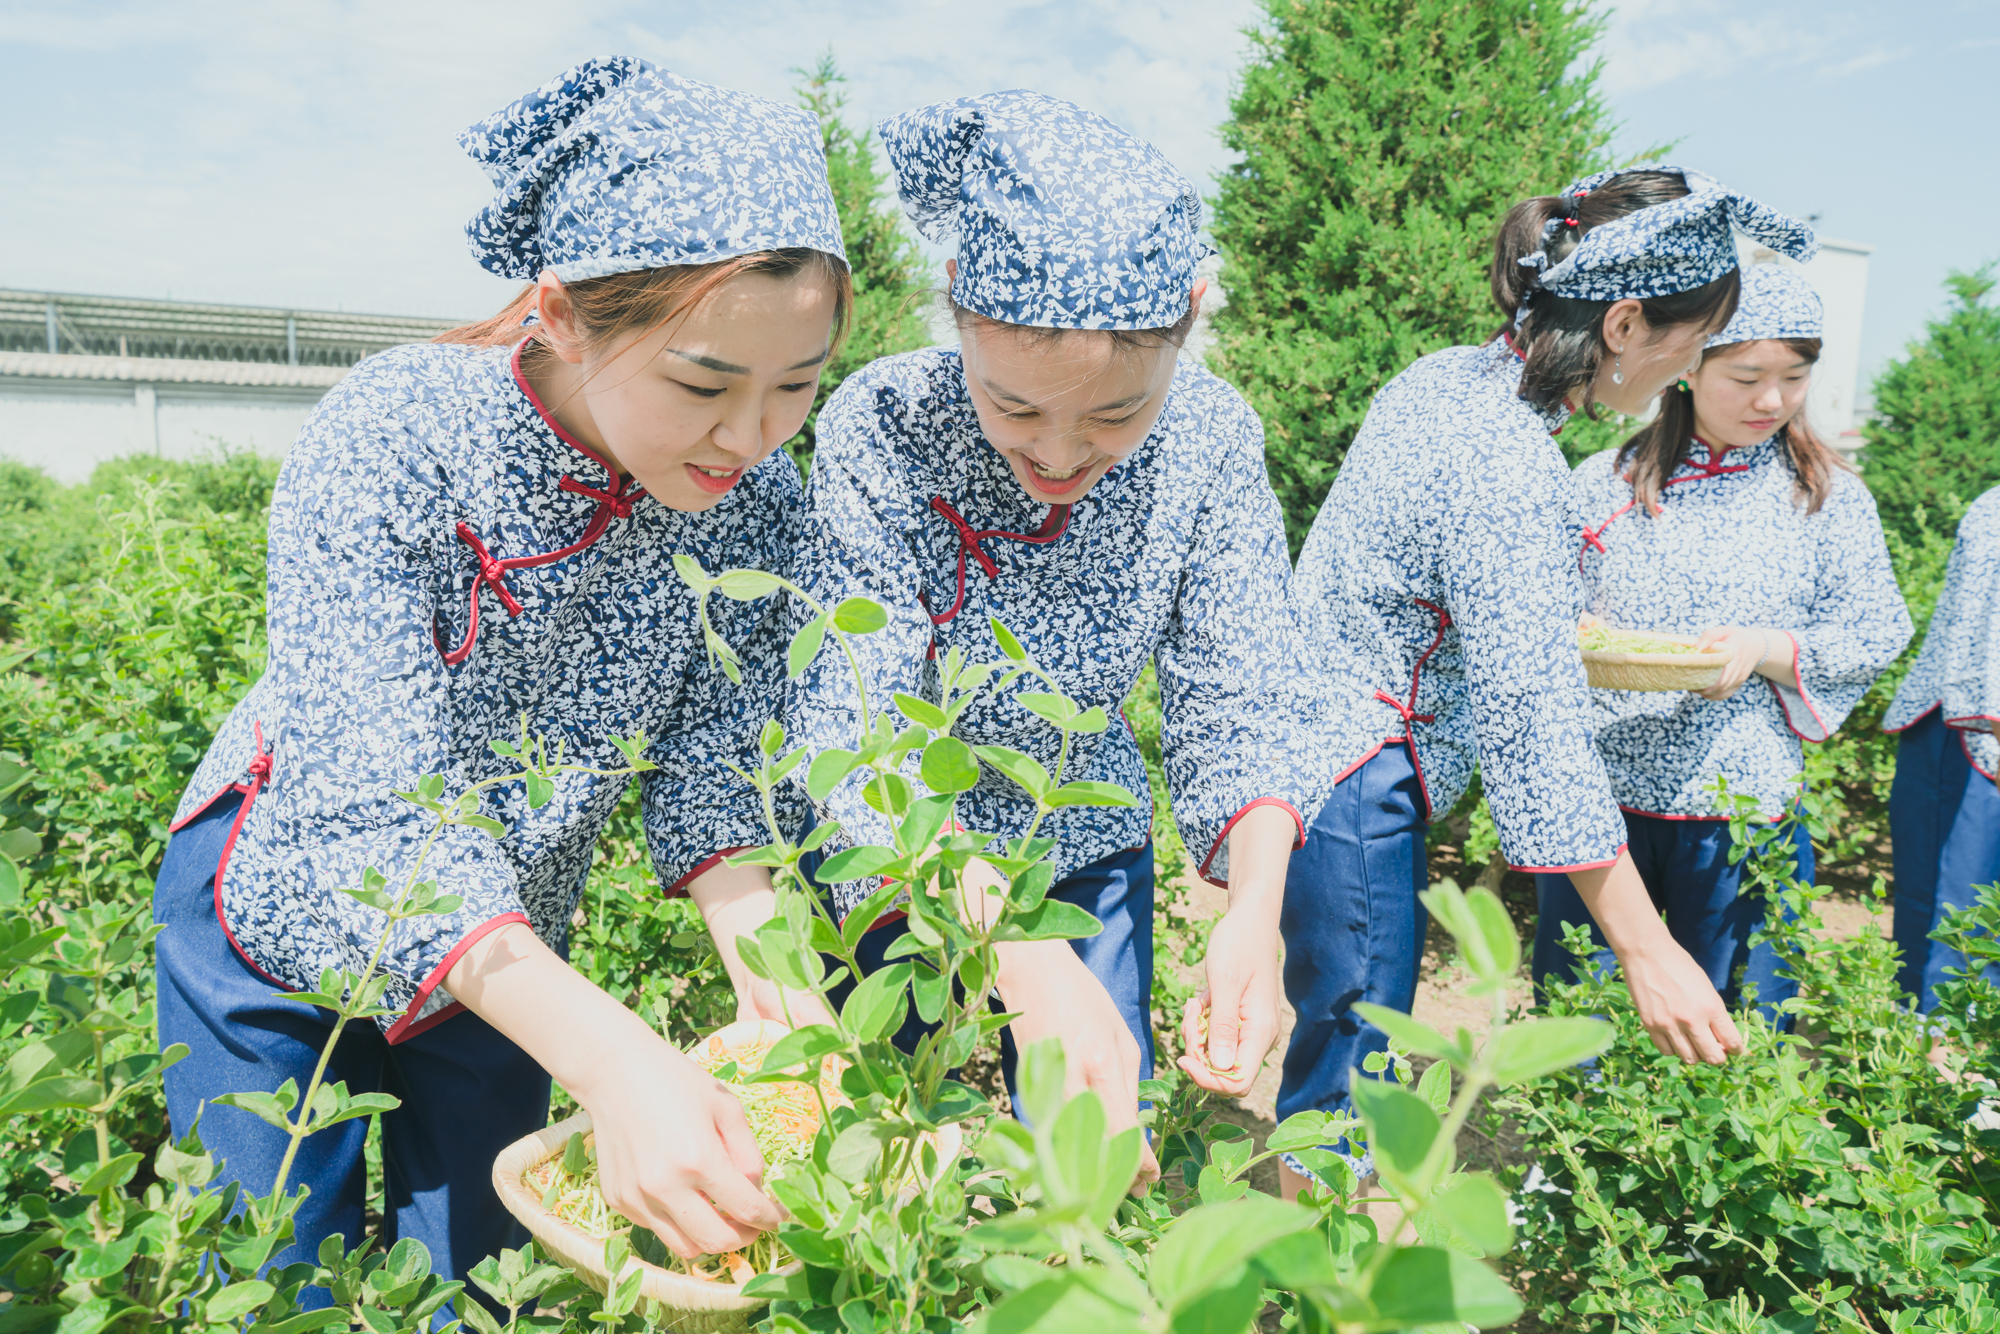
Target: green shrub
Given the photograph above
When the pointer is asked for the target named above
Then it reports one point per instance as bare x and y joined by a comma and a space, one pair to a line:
1936, 430
1823, 1180
1382, 141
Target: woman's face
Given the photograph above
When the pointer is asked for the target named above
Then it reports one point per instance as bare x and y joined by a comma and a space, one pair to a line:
691, 406
1063, 411
1647, 359
1745, 392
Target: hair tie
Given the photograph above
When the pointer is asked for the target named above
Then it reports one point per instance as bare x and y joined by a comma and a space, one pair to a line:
1569, 207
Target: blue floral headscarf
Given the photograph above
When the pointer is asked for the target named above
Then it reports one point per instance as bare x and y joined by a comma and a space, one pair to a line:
1063, 220
616, 166
1776, 303
1667, 248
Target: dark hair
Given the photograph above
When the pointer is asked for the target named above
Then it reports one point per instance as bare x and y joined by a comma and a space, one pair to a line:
1653, 455
610, 307
1561, 337
1125, 340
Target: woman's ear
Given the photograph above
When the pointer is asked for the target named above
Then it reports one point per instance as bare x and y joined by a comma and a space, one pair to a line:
1194, 301
556, 315
951, 271
1624, 323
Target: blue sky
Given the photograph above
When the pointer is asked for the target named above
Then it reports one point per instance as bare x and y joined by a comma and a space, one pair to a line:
301, 153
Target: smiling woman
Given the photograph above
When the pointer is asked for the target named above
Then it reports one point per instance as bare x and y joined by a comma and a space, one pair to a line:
541, 470
684, 376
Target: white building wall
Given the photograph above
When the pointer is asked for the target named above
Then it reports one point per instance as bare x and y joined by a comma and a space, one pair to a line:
67, 414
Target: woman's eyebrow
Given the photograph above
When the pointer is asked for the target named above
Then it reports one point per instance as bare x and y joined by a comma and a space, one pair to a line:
731, 368
1130, 400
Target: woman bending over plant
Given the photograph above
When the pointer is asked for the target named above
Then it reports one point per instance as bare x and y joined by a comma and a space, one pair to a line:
474, 538
1066, 475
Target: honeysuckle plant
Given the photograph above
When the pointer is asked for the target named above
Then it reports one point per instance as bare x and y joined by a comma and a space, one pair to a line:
1033, 1228
95, 1248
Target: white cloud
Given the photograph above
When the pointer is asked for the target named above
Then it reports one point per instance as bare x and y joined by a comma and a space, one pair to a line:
303, 153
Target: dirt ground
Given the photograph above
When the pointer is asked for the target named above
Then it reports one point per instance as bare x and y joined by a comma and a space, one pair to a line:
1442, 1004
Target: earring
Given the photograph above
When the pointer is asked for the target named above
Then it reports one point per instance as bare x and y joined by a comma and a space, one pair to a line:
1617, 375
1684, 387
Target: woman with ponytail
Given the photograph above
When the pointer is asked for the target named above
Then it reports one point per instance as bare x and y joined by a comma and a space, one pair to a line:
476, 536
1442, 571
1728, 520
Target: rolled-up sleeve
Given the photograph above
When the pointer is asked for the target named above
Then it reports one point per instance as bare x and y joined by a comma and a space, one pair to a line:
1231, 667
1859, 622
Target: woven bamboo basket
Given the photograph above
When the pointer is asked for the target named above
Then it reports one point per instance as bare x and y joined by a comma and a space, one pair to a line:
1654, 671
681, 1303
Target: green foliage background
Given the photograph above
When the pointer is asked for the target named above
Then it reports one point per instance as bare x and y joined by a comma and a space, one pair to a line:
1382, 142
1935, 439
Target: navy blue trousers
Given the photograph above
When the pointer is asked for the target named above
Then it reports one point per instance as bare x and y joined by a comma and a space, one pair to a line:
1117, 891
1686, 868
467, 1092
1353, 927
1944, 828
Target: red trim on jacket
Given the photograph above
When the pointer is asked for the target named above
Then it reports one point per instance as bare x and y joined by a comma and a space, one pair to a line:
1580, 866
1965, 744
1713, 467
1965, 720
1656, 815
969, 539
260, 772
1407, 711
1896, 731
1804, 698
679, 890
408, 1027
1216, 847
615, 503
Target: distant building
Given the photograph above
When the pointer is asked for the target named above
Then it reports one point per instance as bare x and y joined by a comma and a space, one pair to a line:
88, 378
1839, 273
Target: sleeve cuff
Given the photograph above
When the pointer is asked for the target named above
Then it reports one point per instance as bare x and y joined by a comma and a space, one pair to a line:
1219, 874
1801, 714
415, 1020
679, 889
1574, 866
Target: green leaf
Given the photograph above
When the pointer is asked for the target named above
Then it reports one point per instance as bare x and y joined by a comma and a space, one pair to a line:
856, 1149
1091, 793
802, 1045
1402, 1127
1537, 1047
46, 1095
860, 616
110, 1175
1412, 1035
1424, 1285
927, 816
827, 769
1299, 1261
1474, 1208
1070, 1302
1226, 1308
540, 791
240, 1299
746, 585
888, 793
1206, 1244
1025, 770
864, 914
856, 864
949, 766
876, 1007
92, 1316
1051, 919
1053, 709
270, 1108
805, 647
921, 712
1005, 639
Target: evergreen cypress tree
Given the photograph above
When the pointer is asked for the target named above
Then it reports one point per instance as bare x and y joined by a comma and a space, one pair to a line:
1382, 142
1936, 432
889, 270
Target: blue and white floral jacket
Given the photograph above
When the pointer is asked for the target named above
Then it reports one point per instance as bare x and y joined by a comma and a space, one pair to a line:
1177, 554
1442, 570
444, 562
1732, 546
1958, 668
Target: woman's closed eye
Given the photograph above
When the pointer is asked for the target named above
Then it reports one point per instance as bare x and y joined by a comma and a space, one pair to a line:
801, 386
700, 391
